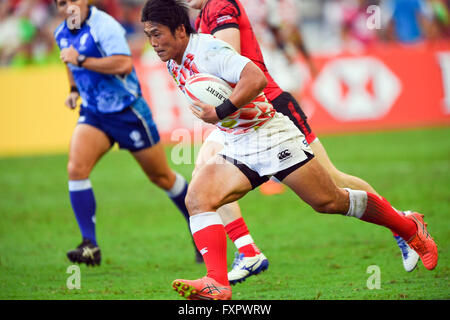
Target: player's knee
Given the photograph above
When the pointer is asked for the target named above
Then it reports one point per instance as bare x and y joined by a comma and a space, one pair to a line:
198, 201
77, 170
191, 201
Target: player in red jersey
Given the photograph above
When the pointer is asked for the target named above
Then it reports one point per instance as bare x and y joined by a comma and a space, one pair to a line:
228, 21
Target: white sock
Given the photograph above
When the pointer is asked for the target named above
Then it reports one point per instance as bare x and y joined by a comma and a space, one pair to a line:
358, 203
79, 185
202, 220
243, 241
178, 186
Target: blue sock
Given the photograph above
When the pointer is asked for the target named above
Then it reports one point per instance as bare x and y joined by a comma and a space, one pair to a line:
178, 193
83, 205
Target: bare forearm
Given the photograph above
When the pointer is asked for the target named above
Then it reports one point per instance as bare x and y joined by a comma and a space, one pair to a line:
109, 65
251, 84
117, 64
252, 81
70, 76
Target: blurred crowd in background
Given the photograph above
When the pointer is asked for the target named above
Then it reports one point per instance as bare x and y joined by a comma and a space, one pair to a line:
323, 26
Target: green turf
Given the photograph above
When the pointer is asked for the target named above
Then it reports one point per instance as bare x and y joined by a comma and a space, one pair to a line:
145, 242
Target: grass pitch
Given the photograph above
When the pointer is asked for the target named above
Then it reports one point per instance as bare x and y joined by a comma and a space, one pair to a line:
145, 242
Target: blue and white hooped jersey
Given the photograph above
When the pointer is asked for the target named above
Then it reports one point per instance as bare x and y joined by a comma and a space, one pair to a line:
100, 36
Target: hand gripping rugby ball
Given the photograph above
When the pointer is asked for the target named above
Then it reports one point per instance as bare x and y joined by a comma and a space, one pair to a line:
208, 89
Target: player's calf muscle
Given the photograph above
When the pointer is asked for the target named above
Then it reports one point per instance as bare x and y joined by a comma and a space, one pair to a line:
321, 193
332, 204
163, 180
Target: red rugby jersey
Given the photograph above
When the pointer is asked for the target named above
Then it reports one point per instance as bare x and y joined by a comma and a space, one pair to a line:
222, 14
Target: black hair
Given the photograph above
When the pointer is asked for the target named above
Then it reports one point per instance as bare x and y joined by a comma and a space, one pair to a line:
169, 13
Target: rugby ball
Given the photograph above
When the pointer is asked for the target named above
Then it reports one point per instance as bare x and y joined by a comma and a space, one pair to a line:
207, 88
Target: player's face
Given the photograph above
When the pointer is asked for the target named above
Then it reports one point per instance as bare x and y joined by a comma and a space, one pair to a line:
196, 4
167, 45
76, 10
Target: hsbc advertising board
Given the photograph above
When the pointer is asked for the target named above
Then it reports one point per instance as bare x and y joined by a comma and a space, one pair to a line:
382, 88
353, 89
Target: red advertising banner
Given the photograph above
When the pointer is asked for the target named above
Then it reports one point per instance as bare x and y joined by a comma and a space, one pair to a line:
385, 87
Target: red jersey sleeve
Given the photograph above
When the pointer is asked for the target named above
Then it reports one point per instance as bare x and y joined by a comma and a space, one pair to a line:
219, 15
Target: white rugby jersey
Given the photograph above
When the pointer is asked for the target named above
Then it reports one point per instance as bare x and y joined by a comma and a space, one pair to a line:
206, 54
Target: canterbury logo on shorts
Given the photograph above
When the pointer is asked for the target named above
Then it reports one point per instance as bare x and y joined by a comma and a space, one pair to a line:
283, 155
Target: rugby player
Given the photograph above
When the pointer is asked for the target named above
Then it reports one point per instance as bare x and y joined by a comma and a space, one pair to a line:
227, 20
245, 162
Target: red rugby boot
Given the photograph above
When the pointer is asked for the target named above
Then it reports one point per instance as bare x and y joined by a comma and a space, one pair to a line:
202, 289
